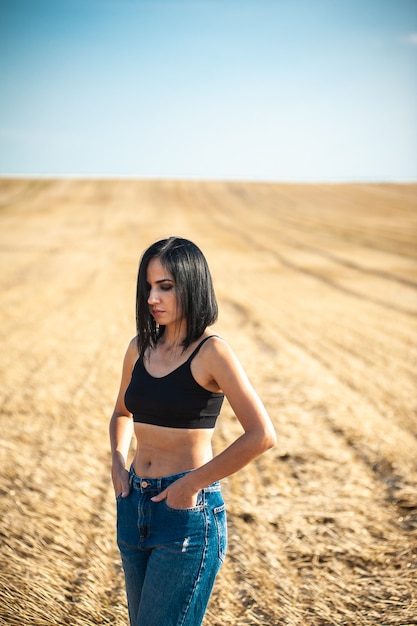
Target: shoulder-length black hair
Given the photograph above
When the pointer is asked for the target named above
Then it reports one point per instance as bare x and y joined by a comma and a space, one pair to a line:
194, 287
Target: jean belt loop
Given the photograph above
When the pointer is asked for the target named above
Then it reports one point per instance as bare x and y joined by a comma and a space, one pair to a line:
159, 484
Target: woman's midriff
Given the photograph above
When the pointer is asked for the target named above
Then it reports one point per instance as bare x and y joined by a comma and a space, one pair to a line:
162, 451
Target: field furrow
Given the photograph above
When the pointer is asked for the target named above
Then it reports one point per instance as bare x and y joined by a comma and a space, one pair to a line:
317, 288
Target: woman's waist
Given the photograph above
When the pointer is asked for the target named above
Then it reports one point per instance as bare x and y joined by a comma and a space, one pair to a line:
146, 484
165, 456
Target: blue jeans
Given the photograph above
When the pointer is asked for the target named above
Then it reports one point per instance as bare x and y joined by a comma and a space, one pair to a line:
170, 556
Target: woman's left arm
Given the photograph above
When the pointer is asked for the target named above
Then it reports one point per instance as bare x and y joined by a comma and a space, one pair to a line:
259, 434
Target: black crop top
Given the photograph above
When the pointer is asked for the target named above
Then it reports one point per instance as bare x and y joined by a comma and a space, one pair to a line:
175, 400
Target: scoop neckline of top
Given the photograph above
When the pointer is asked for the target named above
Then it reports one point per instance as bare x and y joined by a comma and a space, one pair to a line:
165, 375
179, 366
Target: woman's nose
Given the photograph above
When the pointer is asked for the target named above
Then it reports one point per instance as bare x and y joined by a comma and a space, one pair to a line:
152, 298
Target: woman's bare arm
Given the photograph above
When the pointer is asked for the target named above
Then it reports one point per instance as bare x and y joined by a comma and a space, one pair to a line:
121, 426
259, 435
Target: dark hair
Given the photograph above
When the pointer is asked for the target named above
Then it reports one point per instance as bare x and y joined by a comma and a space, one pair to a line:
194, 287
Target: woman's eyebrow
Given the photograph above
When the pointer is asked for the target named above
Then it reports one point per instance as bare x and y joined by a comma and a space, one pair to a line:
164, 280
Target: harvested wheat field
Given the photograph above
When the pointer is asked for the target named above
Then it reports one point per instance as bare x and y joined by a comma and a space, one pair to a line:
317, 288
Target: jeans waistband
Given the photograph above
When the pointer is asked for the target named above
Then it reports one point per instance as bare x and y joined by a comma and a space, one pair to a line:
144, 484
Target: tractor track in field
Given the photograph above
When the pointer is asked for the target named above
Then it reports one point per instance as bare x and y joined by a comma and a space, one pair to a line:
317, 293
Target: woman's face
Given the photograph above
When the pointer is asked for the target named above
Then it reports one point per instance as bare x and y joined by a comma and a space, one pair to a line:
162, 295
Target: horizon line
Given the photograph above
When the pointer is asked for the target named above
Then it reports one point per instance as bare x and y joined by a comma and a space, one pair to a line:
117, 177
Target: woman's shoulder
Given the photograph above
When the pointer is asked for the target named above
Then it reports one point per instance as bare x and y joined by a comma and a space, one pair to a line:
132, 352
214, 346
221, 364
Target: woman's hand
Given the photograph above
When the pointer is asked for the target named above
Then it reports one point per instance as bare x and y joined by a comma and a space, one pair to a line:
120, 478
178, 495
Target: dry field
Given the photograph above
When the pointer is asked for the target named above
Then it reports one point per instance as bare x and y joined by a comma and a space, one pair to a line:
317, 287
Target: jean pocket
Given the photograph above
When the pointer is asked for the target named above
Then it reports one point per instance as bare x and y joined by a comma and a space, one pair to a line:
220, 518
191, 509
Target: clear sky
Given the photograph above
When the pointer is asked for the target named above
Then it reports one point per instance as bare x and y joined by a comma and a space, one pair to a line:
275, 90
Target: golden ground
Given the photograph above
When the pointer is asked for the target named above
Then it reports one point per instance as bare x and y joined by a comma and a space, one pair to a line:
317, 289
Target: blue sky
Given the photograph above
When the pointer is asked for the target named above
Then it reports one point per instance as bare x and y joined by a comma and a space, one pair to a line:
275, 90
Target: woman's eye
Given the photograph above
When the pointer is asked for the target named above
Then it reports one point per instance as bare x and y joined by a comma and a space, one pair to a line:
167, 287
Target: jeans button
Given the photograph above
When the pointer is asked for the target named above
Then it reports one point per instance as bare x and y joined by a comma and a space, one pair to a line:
143, 484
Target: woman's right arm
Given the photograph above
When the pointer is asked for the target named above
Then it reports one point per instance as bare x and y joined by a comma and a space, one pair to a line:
121, 427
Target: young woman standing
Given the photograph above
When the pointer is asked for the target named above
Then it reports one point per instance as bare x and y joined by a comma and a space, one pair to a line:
171, 519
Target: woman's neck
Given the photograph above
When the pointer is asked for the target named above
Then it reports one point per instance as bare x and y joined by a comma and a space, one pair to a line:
173, 338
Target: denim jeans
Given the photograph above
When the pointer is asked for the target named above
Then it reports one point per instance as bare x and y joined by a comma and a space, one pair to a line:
170, 556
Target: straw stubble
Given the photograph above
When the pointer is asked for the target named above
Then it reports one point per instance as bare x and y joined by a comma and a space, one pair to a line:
317, 290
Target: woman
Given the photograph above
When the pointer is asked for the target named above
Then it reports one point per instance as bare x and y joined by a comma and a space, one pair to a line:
171, 520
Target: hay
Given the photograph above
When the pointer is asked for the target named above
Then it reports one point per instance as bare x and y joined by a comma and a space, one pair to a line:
319, 302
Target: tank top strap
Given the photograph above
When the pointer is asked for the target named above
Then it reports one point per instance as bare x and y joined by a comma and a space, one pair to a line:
197, 349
